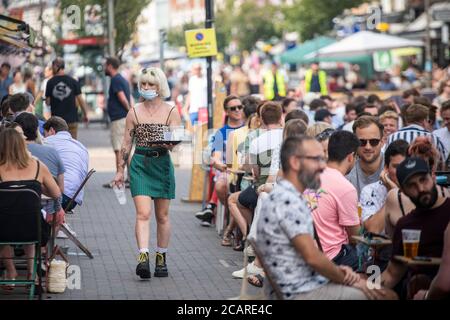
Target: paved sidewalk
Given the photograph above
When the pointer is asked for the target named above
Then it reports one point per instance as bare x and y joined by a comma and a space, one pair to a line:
199, 267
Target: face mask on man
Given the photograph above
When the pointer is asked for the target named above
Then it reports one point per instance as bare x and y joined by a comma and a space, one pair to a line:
148, 94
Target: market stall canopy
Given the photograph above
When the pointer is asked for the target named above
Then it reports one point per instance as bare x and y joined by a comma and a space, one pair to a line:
364, 43
297, 54
16, 40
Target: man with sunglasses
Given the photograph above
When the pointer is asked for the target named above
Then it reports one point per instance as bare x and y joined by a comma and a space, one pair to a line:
335, 218
235, 119
370, 162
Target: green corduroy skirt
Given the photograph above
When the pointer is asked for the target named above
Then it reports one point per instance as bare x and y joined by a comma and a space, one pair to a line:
152, 176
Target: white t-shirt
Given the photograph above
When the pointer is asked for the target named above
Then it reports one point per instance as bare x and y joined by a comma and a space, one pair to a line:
262, 151
198, 93
372, 199
348, 126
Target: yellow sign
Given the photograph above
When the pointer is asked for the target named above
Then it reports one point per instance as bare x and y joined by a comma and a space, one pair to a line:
201, 43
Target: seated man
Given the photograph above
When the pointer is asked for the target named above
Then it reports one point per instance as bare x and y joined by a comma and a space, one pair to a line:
431, 216
49, 156
335, 218
373, 196
233, 110
74, 156
285, 233
259, 158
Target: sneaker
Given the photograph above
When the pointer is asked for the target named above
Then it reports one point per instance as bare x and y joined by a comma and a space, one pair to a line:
207, 222
206, 213
143, 268
251, 270
160, 265
250, 252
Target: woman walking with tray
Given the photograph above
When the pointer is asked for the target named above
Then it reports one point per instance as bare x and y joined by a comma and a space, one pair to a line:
151, 169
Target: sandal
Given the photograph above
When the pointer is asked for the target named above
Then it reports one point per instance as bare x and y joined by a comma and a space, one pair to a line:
240, 246
227, 239
256, 280
8, 287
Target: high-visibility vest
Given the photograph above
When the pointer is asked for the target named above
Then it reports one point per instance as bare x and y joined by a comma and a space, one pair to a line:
322, 81
269, 93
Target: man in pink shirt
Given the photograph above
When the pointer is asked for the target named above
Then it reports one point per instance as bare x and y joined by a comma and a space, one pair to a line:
336, 216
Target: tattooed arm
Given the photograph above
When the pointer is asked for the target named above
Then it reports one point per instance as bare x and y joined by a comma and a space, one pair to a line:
125, 150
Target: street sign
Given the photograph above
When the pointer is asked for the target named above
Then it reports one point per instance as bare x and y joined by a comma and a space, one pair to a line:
201, 42
382, 60
87, 41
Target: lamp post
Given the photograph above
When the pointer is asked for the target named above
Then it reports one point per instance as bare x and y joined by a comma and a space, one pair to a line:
209, 19
428, 60
111, 27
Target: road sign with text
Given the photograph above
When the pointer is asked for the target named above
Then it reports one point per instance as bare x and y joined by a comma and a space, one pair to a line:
201, 43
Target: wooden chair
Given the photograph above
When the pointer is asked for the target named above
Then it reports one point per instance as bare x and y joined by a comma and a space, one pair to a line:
56, 249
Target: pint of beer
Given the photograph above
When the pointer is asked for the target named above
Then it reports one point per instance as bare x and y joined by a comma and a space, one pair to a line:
411, 240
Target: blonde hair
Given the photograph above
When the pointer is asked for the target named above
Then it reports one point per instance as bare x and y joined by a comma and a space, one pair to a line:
13, 149
317, 128
155, 76
388, 115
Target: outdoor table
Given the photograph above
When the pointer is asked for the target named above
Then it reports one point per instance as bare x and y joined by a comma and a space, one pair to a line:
375, 243
418, 263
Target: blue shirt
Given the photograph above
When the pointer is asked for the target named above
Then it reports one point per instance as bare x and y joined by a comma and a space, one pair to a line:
4, 86
116, 110
75, 158
49, 156
219, 141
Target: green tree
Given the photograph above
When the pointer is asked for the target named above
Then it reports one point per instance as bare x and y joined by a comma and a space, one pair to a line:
310, 17
175, 36
125, 15
253, 23
247, 24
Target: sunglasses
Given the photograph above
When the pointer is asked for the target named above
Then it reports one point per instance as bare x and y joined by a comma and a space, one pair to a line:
235, 108
373, 142
324, 135
144, 71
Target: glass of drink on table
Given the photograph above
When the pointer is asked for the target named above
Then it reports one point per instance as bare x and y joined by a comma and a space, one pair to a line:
411, 240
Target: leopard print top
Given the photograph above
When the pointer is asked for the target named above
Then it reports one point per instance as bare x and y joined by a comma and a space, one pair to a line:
146, 133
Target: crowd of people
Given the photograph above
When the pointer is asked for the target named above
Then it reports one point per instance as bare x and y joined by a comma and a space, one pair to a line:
302, 178
299, 172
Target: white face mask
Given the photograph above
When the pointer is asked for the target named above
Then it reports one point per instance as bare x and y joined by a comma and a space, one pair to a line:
148, 94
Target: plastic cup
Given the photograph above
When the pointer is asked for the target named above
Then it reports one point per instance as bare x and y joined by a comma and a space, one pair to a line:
411, 239
120, 194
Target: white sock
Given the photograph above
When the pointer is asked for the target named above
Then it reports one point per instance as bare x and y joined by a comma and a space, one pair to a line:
161, 250
143, 250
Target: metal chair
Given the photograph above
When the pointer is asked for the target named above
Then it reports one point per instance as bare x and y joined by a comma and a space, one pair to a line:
20, 224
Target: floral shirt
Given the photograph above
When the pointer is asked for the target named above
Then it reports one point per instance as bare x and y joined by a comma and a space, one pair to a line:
285, 215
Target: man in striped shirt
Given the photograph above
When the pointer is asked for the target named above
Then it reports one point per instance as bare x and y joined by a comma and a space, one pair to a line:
416, 117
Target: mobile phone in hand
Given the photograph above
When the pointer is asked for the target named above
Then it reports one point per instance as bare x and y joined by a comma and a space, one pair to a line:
420, 258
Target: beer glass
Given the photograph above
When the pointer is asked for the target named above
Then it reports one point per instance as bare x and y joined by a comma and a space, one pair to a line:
411, 240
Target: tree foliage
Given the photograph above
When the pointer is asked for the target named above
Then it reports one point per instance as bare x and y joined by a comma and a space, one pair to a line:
246, 24
125, 16
310, 17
